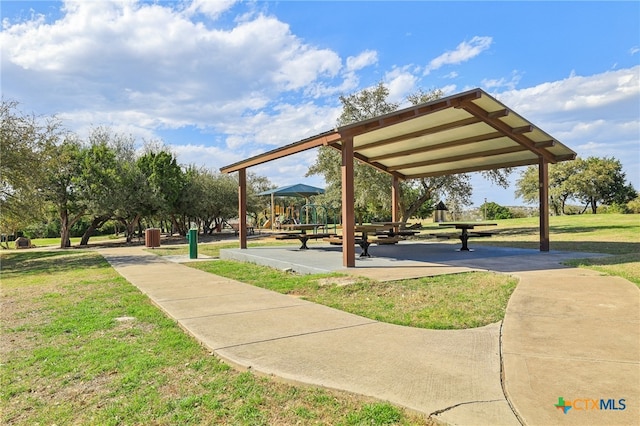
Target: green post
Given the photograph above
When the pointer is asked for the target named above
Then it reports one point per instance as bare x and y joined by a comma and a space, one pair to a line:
193, 243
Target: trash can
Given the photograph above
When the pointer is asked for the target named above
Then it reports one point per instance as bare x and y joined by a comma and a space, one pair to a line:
152, 237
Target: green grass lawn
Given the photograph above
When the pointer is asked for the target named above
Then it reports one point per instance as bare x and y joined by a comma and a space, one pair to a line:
444, 302
80, 345
614, 234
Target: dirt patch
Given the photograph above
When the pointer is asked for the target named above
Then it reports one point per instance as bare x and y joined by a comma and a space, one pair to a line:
338, 281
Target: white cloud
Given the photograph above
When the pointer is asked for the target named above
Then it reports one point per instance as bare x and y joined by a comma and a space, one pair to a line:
509, 83
597, 115
463, 52
364, 59
401, 83
580, 95
153, 64
212, 9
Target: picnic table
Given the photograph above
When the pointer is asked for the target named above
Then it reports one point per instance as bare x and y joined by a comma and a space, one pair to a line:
365, 229
299, 231
465, 227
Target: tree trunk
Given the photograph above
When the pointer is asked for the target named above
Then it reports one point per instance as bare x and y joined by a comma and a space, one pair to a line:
585, 207
130, 227
594, 206
96, 223
415, 206
64, 229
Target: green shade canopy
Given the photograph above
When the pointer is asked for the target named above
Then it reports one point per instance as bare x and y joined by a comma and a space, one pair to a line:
297, 190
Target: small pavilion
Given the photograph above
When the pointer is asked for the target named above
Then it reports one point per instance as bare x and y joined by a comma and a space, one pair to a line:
467, 132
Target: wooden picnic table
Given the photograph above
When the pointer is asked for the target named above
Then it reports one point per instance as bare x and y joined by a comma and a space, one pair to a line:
465, 226
299, 231
365, 230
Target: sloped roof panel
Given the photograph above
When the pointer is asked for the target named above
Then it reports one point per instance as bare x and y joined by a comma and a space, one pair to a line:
470, 131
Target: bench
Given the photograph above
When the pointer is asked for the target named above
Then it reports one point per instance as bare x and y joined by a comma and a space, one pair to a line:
302, 237
337, 240
445, 236
481, 234
380, 239
406, 233
236, 228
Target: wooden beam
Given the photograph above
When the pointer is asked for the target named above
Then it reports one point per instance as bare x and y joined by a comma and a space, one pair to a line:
543, 184
527, 162
242, 207
545, 144
442, 145
395, 199
348, 208
498, 114
523, 129
513, 133
479, 154
294, 148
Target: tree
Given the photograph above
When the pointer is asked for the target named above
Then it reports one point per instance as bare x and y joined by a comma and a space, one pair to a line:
23, 139
256, 205
60, 184
100, 174
560, 191
600, 180
166, 181
208, 197
591, 181
133, 196
495, 211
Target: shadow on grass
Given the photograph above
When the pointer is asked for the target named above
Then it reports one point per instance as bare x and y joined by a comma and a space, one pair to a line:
49, 261
606, 261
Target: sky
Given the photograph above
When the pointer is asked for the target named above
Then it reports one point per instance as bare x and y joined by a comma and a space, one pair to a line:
220, 81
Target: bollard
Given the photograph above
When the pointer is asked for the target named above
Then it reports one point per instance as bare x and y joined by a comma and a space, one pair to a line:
192, 237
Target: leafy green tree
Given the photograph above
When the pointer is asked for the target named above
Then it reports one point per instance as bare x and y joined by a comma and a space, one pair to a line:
591, 181
23, 140
208, 198
133, 195
560, 191
494, 211
166, 181
61, 183
99, 175
633, 206
600, 180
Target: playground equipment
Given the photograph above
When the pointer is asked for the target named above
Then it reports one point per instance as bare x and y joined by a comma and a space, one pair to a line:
280, 214
318, 213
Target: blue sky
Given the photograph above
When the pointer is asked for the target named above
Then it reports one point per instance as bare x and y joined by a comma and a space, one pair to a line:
219, 81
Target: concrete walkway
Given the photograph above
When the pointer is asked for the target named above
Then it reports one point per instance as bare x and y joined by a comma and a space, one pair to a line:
568, 333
